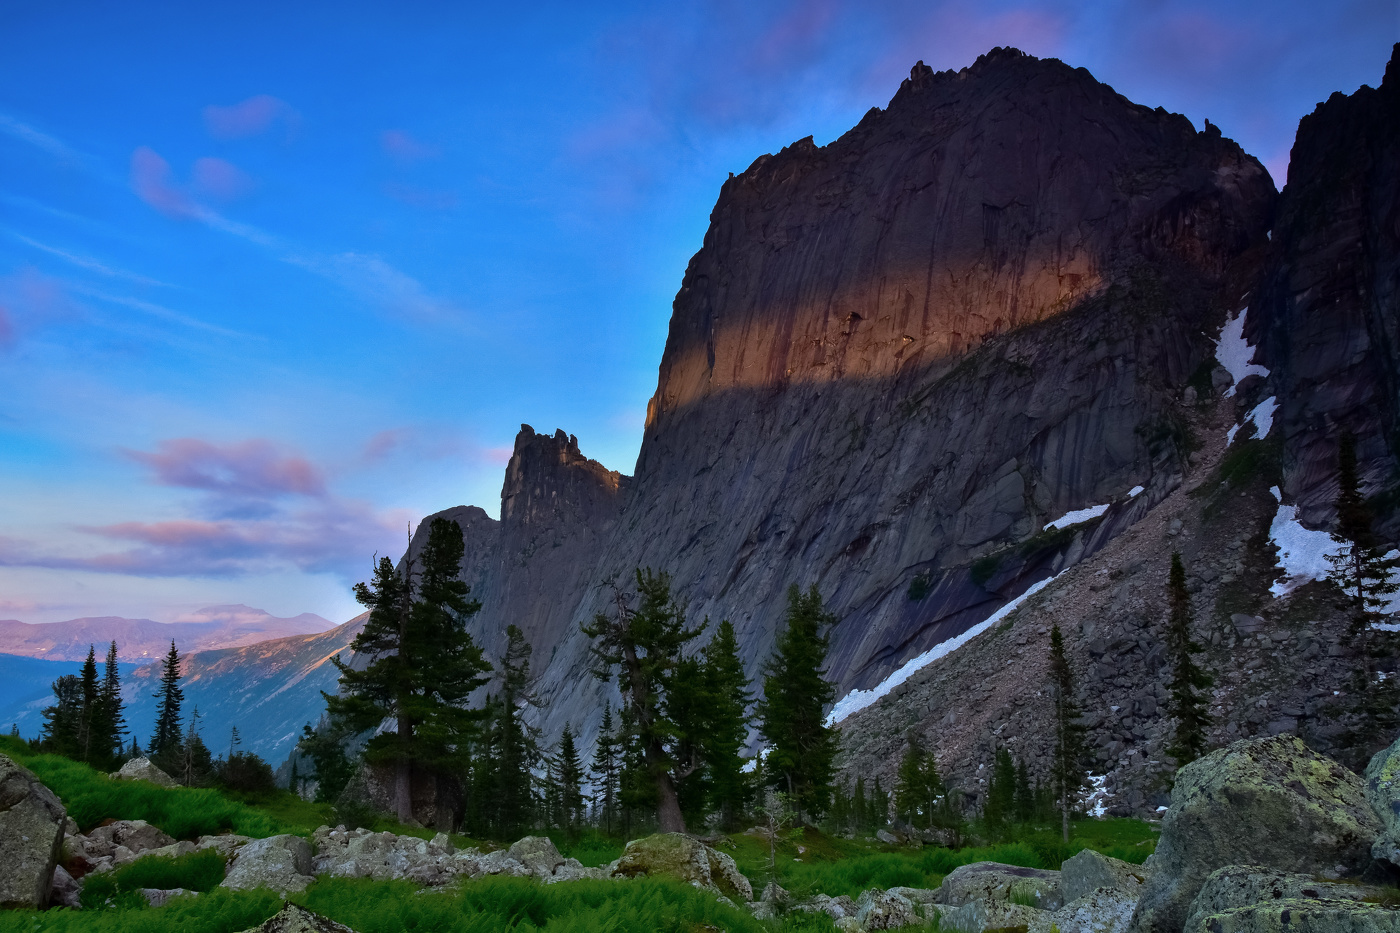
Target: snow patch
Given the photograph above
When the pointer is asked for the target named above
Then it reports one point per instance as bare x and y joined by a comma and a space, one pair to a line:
1235, 353
1097, 802
857, 700
1263, 417
1302, 552
1135, 492
1078, 516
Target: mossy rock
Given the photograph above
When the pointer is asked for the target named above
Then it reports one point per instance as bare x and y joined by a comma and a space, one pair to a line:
680, 856
1383, 791
1267, 801
1302, 915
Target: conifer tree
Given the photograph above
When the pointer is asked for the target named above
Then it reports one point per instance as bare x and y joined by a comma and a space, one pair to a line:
1188, 703
860, 806
879, 806
1366, 576
88, 743
110, 724
570, 781
727, 700
644, 645
195, 763
63, 720
325, 747
801, 746
165, 743
1000, 808
637, 788
513, 744
425, 665
605, 770
1068, 776
919, 786
1025, 795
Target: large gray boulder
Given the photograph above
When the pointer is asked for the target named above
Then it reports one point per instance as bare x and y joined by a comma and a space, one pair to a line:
279, 863
1102, 910
1383, 791
996, 885
538, 854
1242, 886
141, 769
31, 837
1269, 801
886, 910
137, 836
294, 919
1303, 915
688, 859
1087, 871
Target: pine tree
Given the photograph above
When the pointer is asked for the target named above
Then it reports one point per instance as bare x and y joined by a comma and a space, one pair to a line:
879, 807
326, 749
87, 718
728, 701
644, 645
918, 788
233, 741
1000, 808
63, 720
860, 807
1068, 776
110, 723
1025, 795
165, 743
425, 665
195, 763
605, 770
570, 781
514, 745
1366, 576
801, 747
637, 788
1188, 705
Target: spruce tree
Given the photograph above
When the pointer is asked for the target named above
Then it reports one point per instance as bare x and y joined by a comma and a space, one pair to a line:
195, 763
326, 749
63, 720
570, 781
88, 719
919, 786
879, 806
514, 744
860, 806
110, 723
1366, 576
644, 645
801, 746
1025, 795
728, 700
425, 664
165, 742
605, 770
1068, 776
1000, 808
1188, 705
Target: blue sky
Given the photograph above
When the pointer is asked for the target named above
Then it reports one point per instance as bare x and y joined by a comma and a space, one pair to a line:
277, 280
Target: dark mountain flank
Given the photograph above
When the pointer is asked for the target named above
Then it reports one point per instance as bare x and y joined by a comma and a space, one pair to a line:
894, 359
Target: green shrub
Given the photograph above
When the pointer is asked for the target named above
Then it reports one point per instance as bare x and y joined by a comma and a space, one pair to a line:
919, 586
198, 871
245, 772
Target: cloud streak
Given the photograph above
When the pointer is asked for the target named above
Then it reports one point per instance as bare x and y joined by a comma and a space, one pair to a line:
255, 468
251, 117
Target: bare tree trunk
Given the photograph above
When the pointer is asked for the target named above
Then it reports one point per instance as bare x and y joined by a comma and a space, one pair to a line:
403, 774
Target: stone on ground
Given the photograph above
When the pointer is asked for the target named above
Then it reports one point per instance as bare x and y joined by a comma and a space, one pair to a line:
996, 885
1237, 886
978, 917
1102, 910
157, 897
141, 769
31, 837
1383, 792
294, 919
64, 890
1269, 801
137, 836
1087, 871
538, 854
688, 859
279, 863
1302, 915
885, 910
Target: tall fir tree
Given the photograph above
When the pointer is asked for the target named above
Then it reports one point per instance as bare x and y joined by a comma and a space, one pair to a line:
165, 742
63, 720
514, 743
918, 787
89, 744
728, 702
1188, 705
195, 765
110, 723
801, 746
570, 781
326, 749
1366, 576
1000, 808
605, 771
1068, 775
1025, 795
425, 665
644, 646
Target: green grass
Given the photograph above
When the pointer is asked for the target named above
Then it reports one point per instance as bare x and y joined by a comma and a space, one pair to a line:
590, 847
198, 871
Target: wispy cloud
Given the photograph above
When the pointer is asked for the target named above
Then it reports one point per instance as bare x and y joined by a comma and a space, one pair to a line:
404, 148
221, 180
39, 140
88, 263
251, 117
255, 468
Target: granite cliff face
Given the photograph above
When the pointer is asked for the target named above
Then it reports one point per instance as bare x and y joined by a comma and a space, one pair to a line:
894, 359
1326, 313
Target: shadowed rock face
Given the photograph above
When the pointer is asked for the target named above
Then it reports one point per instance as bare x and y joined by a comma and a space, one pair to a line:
895, 356
1328, 313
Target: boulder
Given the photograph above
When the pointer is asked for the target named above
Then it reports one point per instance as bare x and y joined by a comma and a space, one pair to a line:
1270, 801
31, 837
226, 845
996, 885
1382, 781
978, 917
294, 919
279, 863
137, 836
64, 890
157, 897
537, 854
1238, 886
183, 847
1102, 910
886, 910
1303, 915
499, 863
688, 859
573, 870
141, 769
1087, 871
836, 908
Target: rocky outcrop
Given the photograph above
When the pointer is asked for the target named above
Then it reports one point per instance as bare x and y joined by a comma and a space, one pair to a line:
996, 885
1089, 871
279, 863
31, 837
296, 919
1327, 313
141, 769
1382, 779
680, 856
1269, 801
1246, 886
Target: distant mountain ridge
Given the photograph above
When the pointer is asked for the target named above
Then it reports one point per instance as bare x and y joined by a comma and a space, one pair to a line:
139, 640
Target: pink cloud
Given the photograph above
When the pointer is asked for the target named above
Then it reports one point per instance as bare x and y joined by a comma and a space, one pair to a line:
255, 468
405, 148
251, 117
385, 443
220, 180
153, 183
7, 328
